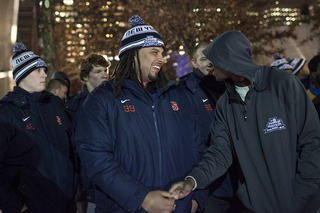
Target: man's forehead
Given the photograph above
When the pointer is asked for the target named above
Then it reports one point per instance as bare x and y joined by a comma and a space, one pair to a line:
98, 67
200, 53
153, 48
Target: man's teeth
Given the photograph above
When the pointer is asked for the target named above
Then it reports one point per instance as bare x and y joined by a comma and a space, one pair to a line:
157, 67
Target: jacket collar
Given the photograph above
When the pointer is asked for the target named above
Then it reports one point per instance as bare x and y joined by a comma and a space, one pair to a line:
193, 79
21, 97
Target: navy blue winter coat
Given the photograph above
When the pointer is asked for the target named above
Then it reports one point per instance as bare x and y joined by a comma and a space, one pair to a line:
73, 106
206, 105
36, 166
132, 145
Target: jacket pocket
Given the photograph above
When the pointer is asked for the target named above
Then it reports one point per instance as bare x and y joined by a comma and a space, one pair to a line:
243, 196
303, 193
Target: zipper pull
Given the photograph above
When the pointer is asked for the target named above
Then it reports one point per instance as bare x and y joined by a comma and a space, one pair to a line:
245, 108
153, 108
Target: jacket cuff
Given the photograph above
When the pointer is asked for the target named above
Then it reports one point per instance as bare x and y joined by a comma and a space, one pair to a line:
199, 178
195, 182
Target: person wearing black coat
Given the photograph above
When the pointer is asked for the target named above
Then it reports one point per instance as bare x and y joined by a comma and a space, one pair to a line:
36, 152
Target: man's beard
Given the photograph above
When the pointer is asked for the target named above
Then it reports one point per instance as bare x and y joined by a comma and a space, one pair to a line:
153, 78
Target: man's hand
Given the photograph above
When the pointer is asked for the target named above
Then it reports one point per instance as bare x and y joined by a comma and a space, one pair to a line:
24, 208
182, 189
159, 201
195, 206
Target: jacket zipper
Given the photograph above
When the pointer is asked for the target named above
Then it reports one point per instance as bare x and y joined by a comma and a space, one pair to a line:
158, 141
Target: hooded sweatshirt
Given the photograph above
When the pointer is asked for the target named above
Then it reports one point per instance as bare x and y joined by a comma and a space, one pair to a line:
273, 135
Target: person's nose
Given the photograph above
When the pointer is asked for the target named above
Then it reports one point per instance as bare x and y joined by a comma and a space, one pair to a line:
161, 59
44, 74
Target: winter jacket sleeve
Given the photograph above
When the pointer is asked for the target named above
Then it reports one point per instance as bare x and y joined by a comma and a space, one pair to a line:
307, 178
95, 143
218, 156
10, 201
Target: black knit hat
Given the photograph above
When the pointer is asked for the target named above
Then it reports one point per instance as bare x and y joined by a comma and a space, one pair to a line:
24, 62
140, 35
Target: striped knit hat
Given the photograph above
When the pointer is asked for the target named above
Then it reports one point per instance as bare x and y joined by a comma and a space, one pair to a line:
281, 63
24, 62
297, 64
139, 36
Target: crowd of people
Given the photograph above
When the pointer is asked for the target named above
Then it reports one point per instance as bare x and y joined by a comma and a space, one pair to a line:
231, 136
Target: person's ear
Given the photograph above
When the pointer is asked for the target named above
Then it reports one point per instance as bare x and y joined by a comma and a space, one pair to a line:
194, 63
55, 91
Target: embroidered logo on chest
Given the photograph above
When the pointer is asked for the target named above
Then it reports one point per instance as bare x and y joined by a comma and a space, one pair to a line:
274, 124
58, 120
174, 105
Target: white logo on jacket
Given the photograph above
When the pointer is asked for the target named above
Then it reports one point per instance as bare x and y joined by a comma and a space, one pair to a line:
204, 100
123, 101
274, 124
24, 119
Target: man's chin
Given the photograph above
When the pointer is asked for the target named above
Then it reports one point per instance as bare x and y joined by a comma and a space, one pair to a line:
153, 78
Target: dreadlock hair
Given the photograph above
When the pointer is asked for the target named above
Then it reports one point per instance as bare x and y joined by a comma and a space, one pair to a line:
125, 69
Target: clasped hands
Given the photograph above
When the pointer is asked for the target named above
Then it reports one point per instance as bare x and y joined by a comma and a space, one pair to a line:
164, 202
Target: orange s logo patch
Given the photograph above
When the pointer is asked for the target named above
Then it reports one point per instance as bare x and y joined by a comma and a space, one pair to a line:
58, 120
174, 105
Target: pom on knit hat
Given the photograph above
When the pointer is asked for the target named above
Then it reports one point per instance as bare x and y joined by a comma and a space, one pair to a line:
24, 62
281, 63
139, 36
297, 64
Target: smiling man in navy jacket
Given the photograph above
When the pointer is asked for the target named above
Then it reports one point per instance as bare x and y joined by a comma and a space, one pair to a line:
137, 134
267, 124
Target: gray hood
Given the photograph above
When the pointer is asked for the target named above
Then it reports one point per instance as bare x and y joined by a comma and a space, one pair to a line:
232, 52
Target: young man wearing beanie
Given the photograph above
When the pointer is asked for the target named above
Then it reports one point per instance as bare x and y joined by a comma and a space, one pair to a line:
137, 133
267, 126
36, 170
